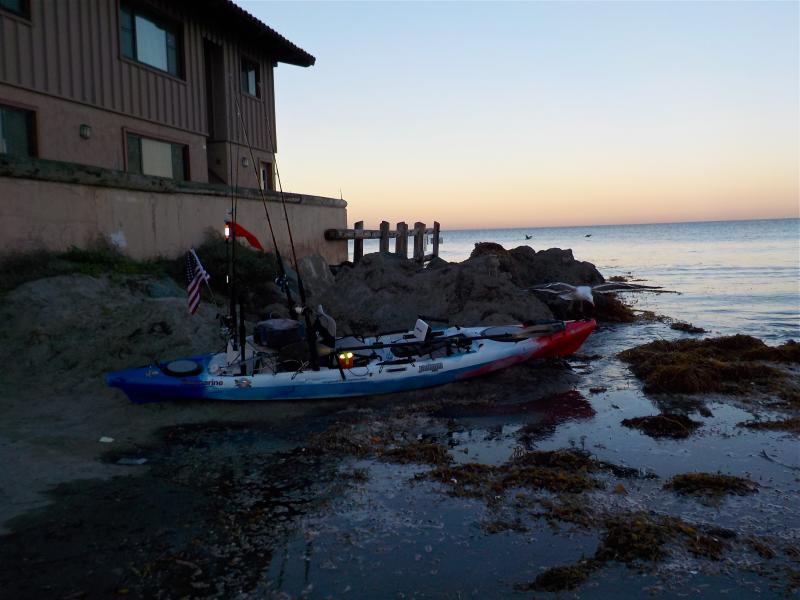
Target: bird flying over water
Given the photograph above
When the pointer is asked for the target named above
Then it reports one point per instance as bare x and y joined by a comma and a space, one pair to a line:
584, 293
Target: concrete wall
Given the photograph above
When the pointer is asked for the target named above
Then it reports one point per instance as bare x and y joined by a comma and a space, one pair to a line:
45, 205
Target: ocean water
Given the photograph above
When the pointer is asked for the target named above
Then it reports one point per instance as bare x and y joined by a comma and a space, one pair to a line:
733, 276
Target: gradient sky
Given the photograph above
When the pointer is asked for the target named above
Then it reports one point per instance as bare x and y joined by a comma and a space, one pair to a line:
538, 114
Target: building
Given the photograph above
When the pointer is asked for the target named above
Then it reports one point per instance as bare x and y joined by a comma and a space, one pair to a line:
151, 96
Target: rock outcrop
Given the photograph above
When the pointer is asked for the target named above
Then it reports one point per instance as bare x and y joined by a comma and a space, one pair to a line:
528, 267
384, 292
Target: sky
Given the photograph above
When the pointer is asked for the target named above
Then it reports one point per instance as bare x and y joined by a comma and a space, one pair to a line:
526, 114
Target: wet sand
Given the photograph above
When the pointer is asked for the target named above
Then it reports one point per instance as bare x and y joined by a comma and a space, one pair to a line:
307, 499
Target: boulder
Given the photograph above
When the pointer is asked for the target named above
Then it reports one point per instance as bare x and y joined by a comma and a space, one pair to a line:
385, 292
528, 267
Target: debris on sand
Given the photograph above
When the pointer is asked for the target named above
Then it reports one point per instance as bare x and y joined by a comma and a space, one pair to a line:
423, 452
501, 526
633, 538
342, 439
559, 471
707, 546
728, 365
561, 578
792, 424
665, 425
710, 484
686, 327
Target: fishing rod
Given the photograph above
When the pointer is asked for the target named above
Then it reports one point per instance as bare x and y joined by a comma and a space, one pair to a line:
312, 346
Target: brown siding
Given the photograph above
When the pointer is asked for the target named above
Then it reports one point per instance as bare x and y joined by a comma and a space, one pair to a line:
70, 49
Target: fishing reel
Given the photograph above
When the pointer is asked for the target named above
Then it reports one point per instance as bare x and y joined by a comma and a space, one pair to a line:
225, 326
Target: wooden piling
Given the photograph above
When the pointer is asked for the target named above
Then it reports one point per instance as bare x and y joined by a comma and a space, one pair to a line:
384, 243
435, 250
358, 242
401, 242
419, 242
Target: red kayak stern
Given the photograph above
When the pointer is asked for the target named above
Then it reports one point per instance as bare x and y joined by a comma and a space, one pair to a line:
568, 341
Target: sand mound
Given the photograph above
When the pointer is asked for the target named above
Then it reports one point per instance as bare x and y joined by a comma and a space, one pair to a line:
65, 332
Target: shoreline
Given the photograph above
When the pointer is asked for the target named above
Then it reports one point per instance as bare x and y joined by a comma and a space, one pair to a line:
201, 459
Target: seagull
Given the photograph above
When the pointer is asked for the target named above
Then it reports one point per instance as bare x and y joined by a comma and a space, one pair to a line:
527, 237
584, 293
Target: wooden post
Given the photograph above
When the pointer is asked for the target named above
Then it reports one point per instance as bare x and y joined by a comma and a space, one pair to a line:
401, 242
384, 243
358, 242
419, 242
435, 250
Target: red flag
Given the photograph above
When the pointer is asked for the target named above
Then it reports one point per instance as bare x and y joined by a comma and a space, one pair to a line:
242, 232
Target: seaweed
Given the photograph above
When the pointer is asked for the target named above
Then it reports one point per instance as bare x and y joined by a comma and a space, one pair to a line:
633, 538
423, 452
561, 578
665, 425
554, 480
611, 309
707, 546
470, 479
499, 526
760, 548
686, 327
791, 424
729, 365
710, 484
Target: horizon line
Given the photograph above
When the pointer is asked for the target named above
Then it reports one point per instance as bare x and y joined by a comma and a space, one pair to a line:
622, 224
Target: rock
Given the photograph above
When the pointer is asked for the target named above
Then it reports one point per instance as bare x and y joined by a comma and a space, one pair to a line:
528, 267
384, 292
165, 288
317, 276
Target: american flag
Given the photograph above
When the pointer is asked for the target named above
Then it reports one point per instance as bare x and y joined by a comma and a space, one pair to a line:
196, 276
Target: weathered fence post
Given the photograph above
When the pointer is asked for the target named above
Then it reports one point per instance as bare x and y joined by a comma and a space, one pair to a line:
401, 242
358, 242
435, 250
384, 243
419, 242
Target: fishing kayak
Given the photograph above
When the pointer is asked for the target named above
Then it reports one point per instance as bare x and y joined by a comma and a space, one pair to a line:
383, 364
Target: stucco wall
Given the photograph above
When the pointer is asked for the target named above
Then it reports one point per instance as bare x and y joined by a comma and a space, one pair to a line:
145, 223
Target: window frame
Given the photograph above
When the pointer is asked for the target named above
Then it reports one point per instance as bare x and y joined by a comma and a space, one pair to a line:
33, 111
246, 60
187, 174
168, 24
25, 13
269, 184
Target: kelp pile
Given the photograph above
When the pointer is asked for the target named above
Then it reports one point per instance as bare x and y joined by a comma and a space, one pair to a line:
728, 365
559, 471
665, 425
710, 484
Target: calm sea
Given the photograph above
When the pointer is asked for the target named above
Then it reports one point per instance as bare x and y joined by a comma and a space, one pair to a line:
733, 276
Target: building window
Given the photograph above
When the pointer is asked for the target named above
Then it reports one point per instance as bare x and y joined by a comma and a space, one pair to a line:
17, 132
250, 79
147, 156
18, 7
266, 180
150, 40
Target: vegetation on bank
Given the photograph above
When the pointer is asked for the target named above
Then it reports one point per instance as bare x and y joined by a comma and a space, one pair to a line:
255, 271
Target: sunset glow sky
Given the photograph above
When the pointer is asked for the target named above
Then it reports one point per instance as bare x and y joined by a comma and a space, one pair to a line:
540, 114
